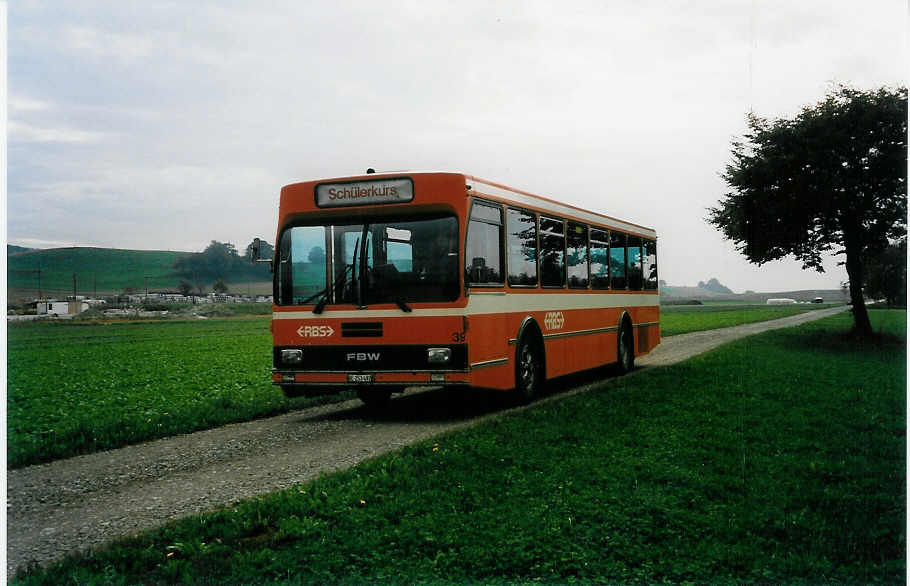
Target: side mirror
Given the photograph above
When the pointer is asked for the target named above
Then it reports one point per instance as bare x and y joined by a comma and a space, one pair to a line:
256, 252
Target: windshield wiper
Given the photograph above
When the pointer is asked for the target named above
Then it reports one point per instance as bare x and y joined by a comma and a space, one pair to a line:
403, 305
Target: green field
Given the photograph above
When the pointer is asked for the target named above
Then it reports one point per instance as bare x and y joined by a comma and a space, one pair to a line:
105, 271
683, 319
78, 387
101, 269
776, 459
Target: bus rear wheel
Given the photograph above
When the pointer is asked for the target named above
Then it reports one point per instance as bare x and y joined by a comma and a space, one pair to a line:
528, 375
625, 350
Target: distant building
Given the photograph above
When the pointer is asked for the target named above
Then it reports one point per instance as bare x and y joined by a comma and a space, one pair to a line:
781, 301
61, 308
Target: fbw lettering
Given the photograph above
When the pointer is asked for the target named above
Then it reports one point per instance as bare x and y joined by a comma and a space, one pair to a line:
362, 356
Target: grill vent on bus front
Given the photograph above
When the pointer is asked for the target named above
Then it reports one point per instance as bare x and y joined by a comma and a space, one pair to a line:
361, 329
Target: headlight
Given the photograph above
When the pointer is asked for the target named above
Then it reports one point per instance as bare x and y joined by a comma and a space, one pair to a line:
439, 355
292, 356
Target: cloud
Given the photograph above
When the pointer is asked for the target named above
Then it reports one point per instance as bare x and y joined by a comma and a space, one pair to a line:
169, 124
179, 207
20, 104
22, 132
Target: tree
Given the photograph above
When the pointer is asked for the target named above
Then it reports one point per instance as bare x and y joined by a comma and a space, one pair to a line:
833, 178
219, 260
219, 287
185, 287
714, 286
886, 275
317, 255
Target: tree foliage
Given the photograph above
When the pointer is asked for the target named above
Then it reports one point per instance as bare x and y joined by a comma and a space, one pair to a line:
831, 179
219, 262
317, 255
714, 286
886, 274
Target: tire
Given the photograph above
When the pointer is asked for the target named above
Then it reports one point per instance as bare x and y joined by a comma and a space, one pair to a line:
292, 391
374, 398
528, 371
625, 350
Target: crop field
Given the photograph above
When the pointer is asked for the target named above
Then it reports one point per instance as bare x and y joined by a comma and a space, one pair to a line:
79, 387
75, 388
683, 319
779, 458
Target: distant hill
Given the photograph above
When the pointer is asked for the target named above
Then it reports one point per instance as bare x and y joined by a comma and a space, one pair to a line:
671, 293
105, 270
13, 249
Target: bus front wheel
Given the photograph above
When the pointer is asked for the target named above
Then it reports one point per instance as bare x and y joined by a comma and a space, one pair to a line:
292, 392
374, 398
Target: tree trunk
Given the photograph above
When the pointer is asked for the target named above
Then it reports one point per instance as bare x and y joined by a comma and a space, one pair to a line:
861, 325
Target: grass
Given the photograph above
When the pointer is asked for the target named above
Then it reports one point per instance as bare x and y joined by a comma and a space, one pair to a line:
684, 319
82, 387
776, 459
104, 269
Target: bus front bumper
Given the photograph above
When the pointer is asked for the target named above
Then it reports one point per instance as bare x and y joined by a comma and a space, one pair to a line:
344, 380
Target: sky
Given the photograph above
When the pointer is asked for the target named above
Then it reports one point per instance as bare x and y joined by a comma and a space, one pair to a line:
165, 125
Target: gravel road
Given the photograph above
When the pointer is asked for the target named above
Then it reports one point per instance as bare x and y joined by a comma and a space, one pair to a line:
75, 504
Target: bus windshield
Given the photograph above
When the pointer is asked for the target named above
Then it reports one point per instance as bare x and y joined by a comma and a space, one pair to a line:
383, 261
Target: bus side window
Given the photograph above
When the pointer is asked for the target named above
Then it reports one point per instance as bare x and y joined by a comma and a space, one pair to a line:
552, 252
617, 260
600, 265
634, 258
650, 265
483, 253
577, 241
521, 244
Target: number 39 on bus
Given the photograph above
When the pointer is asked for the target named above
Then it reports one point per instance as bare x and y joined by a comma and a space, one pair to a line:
392, 280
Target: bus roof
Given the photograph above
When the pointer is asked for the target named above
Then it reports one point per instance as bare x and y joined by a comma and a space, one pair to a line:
484, 186
481, 187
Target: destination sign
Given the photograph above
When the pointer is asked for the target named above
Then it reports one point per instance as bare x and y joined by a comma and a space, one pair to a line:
331, 195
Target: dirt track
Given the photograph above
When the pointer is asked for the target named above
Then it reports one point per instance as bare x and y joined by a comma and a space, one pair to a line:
73, 504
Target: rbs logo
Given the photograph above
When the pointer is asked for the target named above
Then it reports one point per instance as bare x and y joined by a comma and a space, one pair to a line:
554, 320
321, 331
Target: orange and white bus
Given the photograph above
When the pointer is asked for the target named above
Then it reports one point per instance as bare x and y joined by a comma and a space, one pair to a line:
390, 280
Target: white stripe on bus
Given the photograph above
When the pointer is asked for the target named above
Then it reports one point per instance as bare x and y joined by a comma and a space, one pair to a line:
489, 304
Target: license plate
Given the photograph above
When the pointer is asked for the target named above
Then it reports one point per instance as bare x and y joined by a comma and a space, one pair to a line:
360, 378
